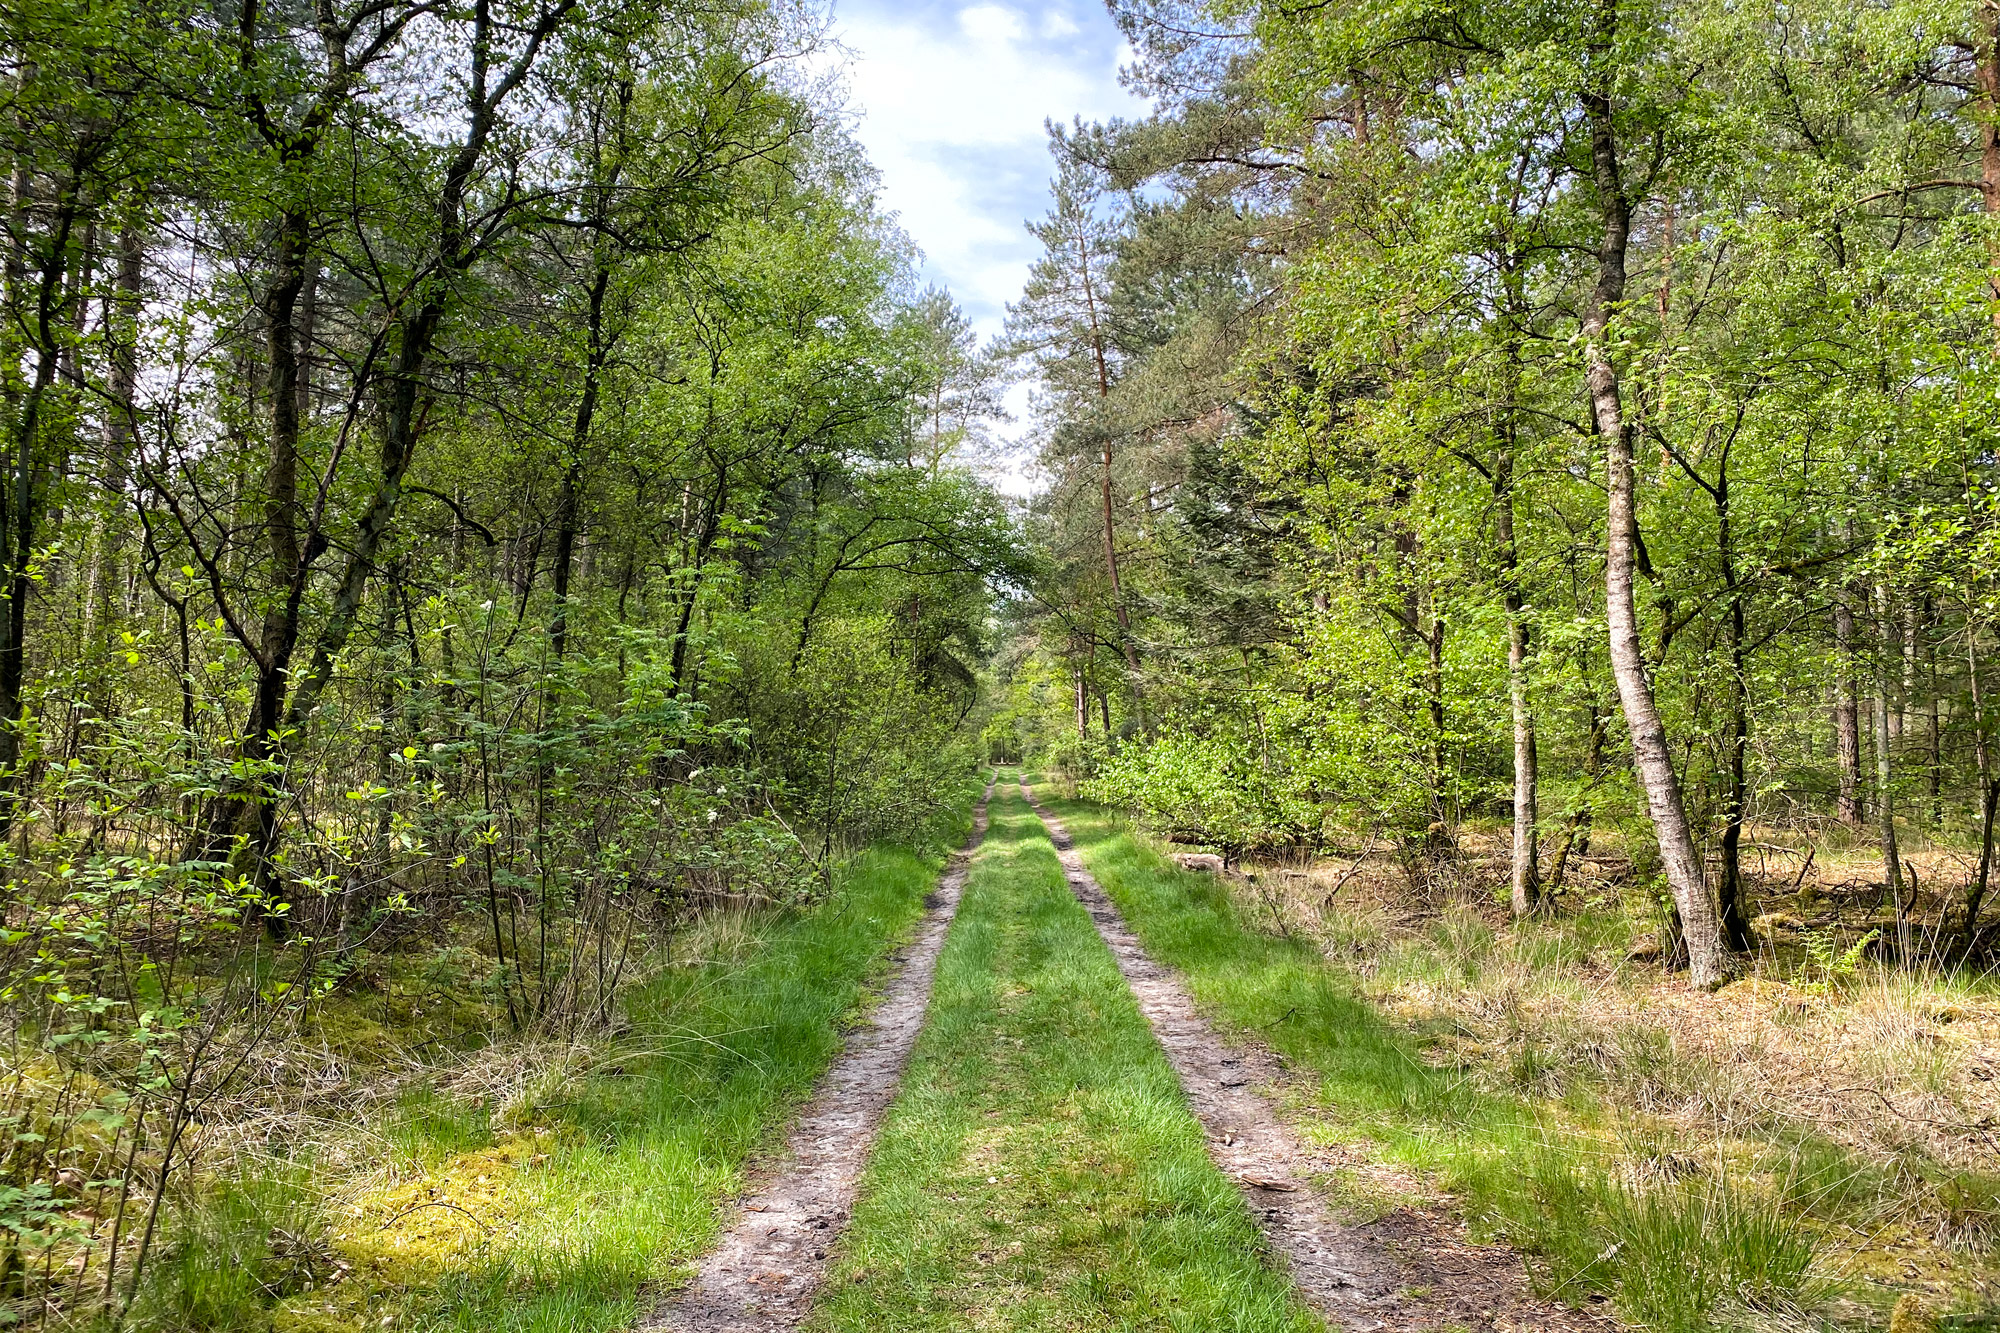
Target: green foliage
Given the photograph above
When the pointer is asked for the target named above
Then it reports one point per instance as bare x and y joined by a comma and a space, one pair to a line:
1347, 450
486, 493
1209, 784
1834, 964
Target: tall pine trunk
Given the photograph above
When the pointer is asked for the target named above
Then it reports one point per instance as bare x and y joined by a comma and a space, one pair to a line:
1100, 354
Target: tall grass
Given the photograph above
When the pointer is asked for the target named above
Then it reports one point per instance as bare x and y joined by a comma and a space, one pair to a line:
238, 1246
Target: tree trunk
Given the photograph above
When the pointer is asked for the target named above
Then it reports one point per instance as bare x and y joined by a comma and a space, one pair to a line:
1526, 864
1441, 838
1846, 711
1906, 696
1708, 959
569, 500
1576, 836
1885, 805
1987, 115
35, 304
1099, 352
107, 534
246, 807
1111, 566
1729, 894
1527, 889
1427, 632
1933, 723
711, 523
1989, 789
1891, 678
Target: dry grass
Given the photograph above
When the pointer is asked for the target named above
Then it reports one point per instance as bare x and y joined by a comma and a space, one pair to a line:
1891, 1073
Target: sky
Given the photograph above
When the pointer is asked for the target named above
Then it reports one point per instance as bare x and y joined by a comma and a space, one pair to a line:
949, 99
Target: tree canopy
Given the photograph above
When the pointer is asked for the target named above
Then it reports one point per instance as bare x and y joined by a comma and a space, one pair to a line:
1580, 415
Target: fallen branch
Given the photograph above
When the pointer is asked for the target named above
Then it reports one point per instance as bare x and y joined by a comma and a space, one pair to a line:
1810, 853
1984, 1127
1373, 835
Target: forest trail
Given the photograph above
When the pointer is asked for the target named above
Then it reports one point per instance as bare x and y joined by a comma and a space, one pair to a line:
1405, 1271
767, 1267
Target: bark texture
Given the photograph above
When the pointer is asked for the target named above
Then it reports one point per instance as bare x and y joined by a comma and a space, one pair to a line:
1708, 959
1847, 713
1526, 860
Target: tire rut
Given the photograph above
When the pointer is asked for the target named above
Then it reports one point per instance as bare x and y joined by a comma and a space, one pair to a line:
768, 1266
1408, 1271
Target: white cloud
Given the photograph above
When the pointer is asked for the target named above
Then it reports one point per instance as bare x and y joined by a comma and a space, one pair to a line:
951, 102
991, 23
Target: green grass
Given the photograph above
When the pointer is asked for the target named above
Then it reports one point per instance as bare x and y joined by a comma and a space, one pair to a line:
1040, 1169
236, 1245
629, 1159
1681, 1255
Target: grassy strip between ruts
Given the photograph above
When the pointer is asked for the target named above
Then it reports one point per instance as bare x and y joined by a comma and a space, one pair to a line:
1746, 1244
1040, 1169
601, 1174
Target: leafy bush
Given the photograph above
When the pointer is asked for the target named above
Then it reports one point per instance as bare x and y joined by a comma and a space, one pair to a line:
1208, 786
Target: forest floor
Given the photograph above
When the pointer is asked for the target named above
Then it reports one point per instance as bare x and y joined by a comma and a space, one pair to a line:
441, 1177
1812, 1147
1142, 1097
1072, 1146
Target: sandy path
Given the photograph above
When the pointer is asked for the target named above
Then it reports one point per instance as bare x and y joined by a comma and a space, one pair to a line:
1408, 1271
765, 1270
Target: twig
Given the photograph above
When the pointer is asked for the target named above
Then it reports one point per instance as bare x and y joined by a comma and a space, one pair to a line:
435, 1203
1367, 849
1894, 1110
1810, 853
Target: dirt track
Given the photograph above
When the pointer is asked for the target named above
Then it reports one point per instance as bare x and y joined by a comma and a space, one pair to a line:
1404, 1273
1408, 1271
767, 1267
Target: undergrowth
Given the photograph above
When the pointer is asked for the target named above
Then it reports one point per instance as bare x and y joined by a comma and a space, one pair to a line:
549, 1187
